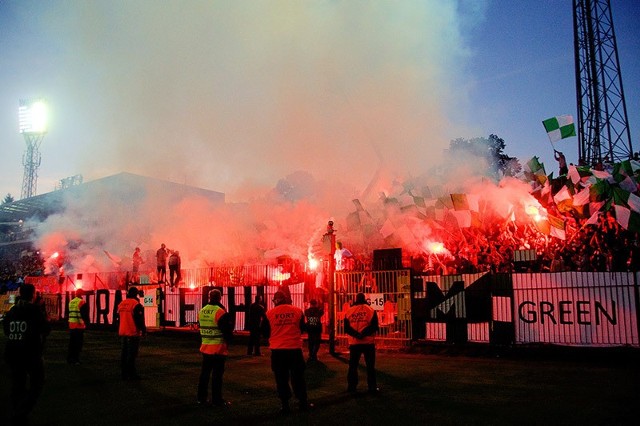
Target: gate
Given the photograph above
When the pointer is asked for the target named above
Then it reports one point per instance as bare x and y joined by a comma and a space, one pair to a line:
388, 293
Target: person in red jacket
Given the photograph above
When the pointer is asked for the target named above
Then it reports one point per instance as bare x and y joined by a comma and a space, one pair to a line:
132, 326
361, 324
284, 326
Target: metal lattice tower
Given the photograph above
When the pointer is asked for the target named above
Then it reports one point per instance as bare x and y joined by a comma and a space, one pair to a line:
31, 161
33, 126
603, 127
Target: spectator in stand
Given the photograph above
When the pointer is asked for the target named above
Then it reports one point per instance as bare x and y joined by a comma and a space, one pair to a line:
161, 262
174, 268
137, 260
341, 256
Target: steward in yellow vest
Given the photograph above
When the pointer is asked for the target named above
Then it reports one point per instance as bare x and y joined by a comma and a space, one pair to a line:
78, 319
216, 331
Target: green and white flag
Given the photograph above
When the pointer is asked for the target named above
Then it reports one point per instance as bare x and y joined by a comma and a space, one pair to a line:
559, 127
628, 219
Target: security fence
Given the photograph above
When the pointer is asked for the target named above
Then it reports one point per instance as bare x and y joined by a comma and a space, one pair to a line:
564, 308
388, 293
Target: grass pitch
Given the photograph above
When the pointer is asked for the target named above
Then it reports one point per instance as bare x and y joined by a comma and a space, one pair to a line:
434, 385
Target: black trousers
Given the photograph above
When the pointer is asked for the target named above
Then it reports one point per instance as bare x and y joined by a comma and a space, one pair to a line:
130, 348
25, 370
212, 367
162, 273
355, 352
254, 341
76, 340
174, 275
288, 364
314, 338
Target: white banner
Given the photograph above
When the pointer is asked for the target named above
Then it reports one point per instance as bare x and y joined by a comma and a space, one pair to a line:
571, 308
376, 301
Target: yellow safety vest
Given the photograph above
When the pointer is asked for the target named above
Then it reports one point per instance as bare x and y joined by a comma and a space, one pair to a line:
212, 339
75, 319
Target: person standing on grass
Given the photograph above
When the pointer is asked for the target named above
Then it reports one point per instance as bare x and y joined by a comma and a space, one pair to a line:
284, 327
132, 327
314, 328
78, 319
361, 324
26, 327
255, 320
216, 331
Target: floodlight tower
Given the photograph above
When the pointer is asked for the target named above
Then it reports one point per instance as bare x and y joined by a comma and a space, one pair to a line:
32, 116
603, 126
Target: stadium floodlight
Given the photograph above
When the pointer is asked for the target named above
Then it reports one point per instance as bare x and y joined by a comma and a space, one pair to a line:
32, 116
32, 119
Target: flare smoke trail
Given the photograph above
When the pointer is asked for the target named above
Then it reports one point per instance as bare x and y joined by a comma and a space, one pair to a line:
290, 107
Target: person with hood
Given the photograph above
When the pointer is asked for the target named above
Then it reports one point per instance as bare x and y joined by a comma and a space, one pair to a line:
361, 324
131, 328
284, 326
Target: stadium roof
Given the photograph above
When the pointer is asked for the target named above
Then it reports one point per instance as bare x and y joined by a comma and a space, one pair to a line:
121, 186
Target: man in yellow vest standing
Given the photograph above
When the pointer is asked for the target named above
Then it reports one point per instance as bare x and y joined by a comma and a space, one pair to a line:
284, 327
361, 324
78, 319
132, 326
216, 331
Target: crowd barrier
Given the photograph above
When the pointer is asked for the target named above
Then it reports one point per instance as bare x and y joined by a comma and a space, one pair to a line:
565, 308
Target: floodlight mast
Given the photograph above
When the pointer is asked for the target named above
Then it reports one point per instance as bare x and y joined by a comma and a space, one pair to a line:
603, 125
33, 126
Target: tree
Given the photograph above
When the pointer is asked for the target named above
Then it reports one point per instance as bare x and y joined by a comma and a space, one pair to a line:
8, 199
490, 149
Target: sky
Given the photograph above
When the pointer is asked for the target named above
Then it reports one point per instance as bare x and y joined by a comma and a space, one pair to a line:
234, 95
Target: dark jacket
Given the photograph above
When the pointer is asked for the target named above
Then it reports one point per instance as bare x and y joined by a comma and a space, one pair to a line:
25, 326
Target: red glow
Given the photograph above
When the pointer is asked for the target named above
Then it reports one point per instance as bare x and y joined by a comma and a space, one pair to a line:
280, 276
435, 247
313, 263
536, 213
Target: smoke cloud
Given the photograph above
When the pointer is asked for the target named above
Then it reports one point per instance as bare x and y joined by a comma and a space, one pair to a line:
292, 109
228, 94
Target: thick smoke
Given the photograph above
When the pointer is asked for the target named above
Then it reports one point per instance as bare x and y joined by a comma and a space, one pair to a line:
227, 94
292, 109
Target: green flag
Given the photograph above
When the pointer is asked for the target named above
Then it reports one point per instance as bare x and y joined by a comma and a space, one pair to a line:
559, 127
